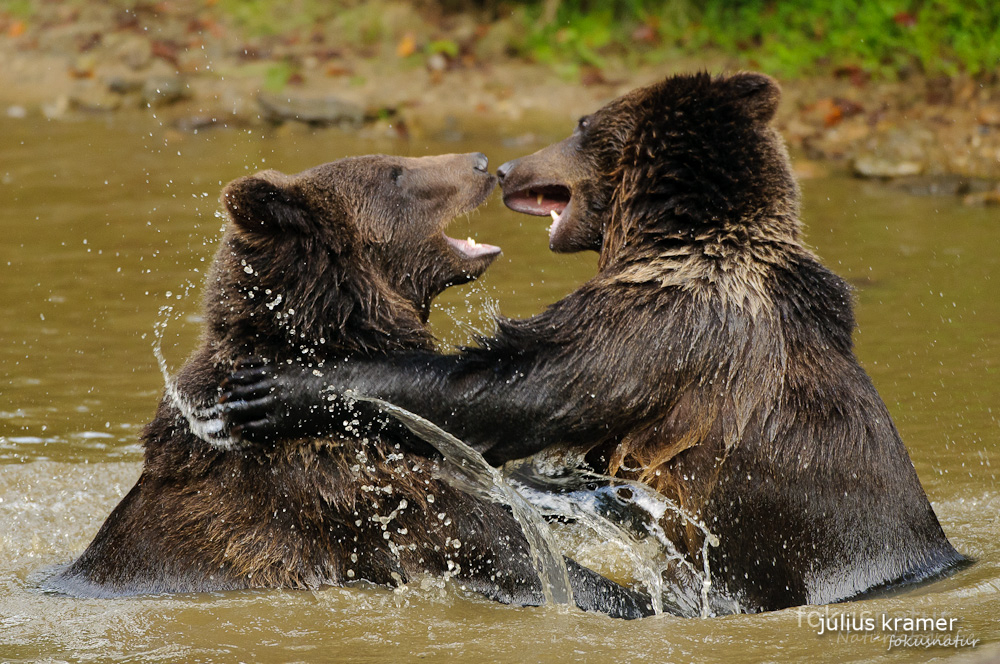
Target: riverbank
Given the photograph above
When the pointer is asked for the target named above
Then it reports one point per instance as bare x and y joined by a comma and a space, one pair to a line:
451, 76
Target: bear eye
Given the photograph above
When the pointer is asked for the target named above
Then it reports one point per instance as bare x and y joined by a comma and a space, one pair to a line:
583, 123
395, 173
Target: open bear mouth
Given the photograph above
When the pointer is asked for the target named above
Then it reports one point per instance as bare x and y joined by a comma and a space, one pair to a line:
541, 200
469, 249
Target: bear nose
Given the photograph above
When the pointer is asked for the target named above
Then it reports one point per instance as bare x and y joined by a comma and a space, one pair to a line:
481, 162
505, 168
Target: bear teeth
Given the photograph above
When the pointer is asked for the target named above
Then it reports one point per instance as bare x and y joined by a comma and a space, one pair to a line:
556, 218
540, 199
472, 243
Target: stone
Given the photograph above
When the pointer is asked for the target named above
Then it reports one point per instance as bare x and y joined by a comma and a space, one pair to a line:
324, 111
873, 166
164, 90
985, 198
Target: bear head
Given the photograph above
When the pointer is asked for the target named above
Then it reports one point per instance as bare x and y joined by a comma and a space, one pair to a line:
344, 257
686, 153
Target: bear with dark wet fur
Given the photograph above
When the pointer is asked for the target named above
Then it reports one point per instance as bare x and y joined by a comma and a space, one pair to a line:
711, 356
339, 261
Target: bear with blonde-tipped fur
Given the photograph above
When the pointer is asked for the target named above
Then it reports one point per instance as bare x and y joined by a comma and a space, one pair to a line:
711, 357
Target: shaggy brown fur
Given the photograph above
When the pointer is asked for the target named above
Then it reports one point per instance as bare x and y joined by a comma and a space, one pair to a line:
338, 261
710, 357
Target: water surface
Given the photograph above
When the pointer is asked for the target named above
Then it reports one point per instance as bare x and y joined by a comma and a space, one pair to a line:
106, 222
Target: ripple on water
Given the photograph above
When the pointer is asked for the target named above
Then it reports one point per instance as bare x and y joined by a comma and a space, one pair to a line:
80, 446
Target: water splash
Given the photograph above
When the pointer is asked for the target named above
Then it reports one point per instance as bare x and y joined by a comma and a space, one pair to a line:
474, 316
204, 421
627, 514
471, 473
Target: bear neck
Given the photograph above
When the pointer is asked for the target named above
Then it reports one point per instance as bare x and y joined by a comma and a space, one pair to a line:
306, 303
696, 198
680, 226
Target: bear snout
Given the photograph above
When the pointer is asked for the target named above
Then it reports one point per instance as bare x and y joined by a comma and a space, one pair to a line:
505, 168
480, 162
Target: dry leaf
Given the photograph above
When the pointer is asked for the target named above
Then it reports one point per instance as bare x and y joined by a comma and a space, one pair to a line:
407, 46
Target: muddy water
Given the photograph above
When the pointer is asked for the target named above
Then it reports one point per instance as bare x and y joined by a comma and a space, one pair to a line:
106, 223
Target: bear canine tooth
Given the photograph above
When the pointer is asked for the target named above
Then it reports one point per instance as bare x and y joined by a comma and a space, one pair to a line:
540, 199
471, 242
555, 215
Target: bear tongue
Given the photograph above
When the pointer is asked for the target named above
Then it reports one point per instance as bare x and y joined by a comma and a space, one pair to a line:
538, 202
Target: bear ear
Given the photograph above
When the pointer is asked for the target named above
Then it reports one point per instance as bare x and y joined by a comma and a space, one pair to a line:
261, 204
759, 94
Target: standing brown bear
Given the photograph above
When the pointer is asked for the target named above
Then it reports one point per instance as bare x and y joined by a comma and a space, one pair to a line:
338, 261
710, 357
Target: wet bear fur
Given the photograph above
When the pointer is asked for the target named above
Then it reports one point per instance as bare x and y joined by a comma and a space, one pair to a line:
711, 356
338, 261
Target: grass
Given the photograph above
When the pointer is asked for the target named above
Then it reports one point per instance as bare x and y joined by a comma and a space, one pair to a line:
885, 39
789, 38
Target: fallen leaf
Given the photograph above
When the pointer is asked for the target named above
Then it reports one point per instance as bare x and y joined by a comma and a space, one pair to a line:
81, 73
646, 34
833, 116
407, 45
854, 73
592, 76
834, 109
335, 70
166, 49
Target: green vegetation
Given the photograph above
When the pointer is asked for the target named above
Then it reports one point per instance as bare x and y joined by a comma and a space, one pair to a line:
883, 38
887, 38
879, 38
19, 8
264, 17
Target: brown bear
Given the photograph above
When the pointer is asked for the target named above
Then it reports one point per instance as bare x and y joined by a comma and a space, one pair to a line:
710, 357
338, 261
